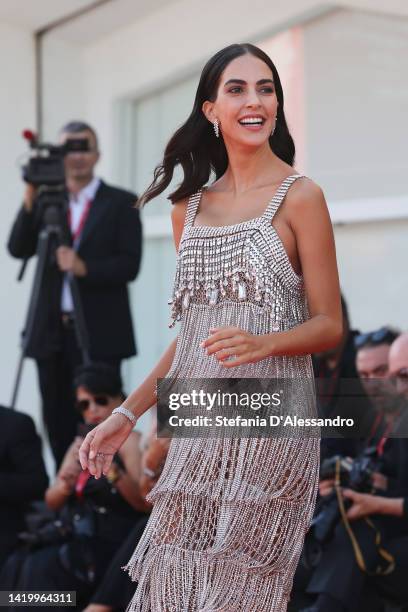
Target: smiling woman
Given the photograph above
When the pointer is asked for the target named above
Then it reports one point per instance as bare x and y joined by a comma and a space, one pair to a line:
194, 147
254, 298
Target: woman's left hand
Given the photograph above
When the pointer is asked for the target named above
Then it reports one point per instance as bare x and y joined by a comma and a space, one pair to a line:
245, 347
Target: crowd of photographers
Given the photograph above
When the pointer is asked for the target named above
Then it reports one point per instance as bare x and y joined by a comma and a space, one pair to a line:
355, 556
76, 533
79, 528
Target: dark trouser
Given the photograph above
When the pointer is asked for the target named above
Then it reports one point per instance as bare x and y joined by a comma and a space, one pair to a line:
339, 575
8, 539
56, 375
116, 589
40, 570
394, 587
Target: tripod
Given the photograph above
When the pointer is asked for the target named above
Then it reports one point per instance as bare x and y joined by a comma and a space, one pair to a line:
52, 215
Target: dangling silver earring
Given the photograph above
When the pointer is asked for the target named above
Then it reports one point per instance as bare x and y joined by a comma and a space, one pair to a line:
274, 127
216, 128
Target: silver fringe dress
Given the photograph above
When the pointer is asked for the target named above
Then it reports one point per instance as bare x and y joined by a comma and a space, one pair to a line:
229, 516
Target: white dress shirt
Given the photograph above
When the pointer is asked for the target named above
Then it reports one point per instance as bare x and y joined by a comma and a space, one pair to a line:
77, 204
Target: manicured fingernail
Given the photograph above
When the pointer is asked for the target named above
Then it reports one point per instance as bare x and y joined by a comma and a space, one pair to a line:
92, 454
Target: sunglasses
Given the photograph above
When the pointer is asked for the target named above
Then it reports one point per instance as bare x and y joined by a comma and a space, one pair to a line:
384, 334
99, 400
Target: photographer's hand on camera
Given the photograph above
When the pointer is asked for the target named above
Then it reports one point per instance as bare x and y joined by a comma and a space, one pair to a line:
363, 504
326, 482
326, 486
29, 197
380, 481
65, 484
70, 473
70, 463
68, 261
66, 478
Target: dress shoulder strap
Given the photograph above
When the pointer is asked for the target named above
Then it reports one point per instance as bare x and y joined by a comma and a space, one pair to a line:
192, 206
280, 196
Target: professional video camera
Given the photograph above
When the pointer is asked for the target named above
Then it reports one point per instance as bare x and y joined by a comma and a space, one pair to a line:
354, 474
45, 166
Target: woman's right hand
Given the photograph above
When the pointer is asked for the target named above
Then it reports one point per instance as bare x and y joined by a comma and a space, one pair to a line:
100, 445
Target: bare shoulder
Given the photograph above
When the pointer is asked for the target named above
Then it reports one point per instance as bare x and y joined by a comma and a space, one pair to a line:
304, 198
178, 211
178, 217
304, 190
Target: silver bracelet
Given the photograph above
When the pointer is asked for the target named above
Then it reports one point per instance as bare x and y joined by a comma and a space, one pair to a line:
126, 413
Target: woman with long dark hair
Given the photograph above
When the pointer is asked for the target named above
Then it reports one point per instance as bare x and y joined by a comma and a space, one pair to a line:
256, 290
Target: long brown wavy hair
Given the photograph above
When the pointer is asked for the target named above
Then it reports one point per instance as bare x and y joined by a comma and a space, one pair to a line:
194, 145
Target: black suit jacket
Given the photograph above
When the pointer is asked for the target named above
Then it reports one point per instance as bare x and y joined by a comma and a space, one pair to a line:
111, 247
22, 474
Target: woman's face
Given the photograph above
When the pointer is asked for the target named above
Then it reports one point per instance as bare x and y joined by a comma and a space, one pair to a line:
246, 90
95, 408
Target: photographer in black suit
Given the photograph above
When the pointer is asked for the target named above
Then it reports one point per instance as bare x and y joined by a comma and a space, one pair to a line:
104, 256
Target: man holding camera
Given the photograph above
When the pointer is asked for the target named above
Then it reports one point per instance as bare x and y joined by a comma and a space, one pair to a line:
102, 253
369, 550
371, 362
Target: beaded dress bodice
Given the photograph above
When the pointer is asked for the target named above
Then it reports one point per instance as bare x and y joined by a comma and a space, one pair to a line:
237, 275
